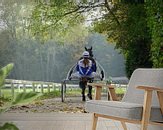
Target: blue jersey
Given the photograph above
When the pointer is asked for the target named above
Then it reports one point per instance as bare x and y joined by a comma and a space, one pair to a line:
85, 70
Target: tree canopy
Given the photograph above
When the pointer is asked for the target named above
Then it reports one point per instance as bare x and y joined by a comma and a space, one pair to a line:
135, 26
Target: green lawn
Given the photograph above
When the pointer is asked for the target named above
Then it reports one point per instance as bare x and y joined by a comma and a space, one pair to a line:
7, 92
120, 90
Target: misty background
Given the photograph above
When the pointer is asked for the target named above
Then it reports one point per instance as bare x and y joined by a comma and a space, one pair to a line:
51, 61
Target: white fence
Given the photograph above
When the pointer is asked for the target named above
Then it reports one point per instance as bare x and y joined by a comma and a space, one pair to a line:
36, 86
40, 86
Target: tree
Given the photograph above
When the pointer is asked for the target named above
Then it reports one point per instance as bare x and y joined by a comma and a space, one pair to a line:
54, 20
134, 25
12, 17
155, 23
123, 22
135, 41
131, 36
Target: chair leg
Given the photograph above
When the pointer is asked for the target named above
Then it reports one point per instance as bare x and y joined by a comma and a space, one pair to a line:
160, 98
144, 126
94, 123
146, 109
124, 125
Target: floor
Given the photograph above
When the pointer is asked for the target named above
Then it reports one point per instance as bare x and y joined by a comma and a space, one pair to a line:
57, 121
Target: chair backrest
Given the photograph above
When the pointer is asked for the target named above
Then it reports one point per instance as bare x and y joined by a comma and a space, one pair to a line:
148, 77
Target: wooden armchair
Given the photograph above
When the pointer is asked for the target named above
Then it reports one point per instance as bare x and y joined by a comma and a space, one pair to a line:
137, 106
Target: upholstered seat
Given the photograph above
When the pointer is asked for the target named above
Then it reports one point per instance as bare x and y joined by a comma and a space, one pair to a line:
132, 111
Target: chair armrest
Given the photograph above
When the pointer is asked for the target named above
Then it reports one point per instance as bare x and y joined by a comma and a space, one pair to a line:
98, 89
150, 88
100, 85
148, 98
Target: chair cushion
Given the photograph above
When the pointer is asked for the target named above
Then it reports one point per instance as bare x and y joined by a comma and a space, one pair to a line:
121, 109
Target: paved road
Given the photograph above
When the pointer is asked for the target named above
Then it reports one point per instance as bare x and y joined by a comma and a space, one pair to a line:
57, 121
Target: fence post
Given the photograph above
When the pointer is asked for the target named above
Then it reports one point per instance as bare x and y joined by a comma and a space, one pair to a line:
53, 86
0, 93
12, 90
48, 88
24, 88
19, 88
42, 88
33, 86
